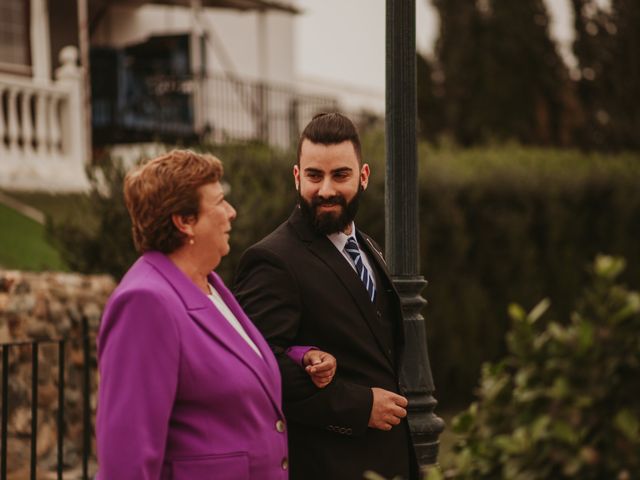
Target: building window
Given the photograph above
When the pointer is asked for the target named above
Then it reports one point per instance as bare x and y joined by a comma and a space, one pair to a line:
14, 36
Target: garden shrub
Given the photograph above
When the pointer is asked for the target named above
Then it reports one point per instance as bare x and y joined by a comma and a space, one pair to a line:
563, 403
497, 224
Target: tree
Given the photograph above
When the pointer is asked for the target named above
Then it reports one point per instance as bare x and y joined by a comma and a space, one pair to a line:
430, 114
502, 75
607, 48
459, 63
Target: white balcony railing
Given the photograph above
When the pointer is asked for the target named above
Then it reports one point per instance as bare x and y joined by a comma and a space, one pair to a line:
43, 130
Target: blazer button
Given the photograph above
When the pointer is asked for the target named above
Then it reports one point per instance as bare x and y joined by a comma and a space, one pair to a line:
285, 464
280, 426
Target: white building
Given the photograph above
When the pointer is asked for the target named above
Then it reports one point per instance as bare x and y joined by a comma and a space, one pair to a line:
157, 70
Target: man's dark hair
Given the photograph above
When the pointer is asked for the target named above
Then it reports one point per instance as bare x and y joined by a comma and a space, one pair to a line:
331, 129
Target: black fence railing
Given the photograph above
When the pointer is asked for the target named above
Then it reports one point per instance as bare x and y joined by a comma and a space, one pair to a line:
210, 108
35, 347
272, 114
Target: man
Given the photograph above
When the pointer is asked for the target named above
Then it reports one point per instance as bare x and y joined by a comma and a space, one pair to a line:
317, 280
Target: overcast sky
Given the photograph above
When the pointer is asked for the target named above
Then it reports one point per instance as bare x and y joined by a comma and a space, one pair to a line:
343, 40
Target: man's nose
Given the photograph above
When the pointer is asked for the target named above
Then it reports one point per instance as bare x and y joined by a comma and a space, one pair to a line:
326, 188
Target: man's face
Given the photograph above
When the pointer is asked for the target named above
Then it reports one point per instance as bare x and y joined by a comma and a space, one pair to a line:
329, 181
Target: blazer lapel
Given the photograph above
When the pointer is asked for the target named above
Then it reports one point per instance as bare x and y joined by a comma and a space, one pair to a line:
206, 315
322, 247
267, 355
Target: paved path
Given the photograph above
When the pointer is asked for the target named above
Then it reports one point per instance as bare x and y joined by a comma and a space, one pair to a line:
24, 209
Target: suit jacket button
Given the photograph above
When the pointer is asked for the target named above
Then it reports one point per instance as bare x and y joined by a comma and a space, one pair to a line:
280, 426
285, 464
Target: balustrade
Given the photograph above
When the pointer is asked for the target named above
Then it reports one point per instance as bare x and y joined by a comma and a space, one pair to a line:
42, 130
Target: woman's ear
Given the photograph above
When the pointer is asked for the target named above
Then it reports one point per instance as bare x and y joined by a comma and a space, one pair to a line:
184, 223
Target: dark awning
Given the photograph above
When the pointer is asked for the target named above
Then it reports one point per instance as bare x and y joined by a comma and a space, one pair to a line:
273, 5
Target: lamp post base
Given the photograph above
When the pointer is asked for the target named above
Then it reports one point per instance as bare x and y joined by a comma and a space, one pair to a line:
416, 380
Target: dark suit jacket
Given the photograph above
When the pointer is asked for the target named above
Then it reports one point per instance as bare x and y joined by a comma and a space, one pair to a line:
299, 290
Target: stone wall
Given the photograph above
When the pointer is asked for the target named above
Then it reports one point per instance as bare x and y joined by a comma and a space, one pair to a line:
39, 306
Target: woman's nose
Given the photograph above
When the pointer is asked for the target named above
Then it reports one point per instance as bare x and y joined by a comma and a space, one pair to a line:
232, 211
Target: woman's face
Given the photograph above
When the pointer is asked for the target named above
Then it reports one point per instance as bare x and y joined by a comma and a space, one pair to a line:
211, 231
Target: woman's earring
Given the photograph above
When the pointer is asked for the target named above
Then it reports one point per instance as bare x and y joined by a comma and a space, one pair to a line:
191, 241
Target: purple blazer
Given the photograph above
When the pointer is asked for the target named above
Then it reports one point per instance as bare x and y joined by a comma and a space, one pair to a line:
182, 396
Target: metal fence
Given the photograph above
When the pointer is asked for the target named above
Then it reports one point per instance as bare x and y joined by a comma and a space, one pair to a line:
207, 108
240, 110
35, 347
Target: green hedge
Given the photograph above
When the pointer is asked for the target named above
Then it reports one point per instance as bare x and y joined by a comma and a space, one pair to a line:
498, 224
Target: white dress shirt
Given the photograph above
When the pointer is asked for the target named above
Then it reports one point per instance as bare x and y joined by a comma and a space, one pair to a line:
215, 297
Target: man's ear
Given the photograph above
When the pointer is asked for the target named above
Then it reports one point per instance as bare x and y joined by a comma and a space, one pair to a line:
184, 223
296, 176
364, 176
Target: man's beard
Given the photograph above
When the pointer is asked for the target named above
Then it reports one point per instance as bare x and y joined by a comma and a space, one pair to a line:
330, 222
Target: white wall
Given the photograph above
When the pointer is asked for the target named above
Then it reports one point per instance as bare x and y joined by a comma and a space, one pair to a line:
233, 36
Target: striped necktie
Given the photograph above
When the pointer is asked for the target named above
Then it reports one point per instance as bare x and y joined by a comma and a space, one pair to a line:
354, 252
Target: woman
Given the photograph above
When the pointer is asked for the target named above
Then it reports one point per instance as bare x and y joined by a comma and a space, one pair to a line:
188, 387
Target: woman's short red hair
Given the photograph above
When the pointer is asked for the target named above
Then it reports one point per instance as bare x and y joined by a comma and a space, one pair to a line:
164, 186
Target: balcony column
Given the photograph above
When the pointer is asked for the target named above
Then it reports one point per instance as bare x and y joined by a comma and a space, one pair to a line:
40, 44
198, 67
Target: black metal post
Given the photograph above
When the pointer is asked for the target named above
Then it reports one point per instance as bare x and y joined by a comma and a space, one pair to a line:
86, 404
5, 411
402, 227
34, 409
60, 408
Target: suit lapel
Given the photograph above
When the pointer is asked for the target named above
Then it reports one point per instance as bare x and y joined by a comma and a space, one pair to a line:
212, 321
267, 355
375, 254
321, 247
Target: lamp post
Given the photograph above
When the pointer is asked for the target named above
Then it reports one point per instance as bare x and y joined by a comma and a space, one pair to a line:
402, 229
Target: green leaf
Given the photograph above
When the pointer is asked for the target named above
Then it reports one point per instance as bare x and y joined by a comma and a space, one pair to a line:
560, 388
538, 310
585, 336
434, 473
540, 428
631, 308
608, 267
517, 313
564, 432
628, 424
462, 423
369, 475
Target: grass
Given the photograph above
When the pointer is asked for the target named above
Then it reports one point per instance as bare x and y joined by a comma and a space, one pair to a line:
23, 244
71, 208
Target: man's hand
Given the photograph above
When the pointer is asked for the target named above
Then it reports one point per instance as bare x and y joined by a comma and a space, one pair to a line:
388, 409
321, 366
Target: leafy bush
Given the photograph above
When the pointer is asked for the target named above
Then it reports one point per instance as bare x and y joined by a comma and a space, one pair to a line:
105, 244
497, 224
563, 403
261, 191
